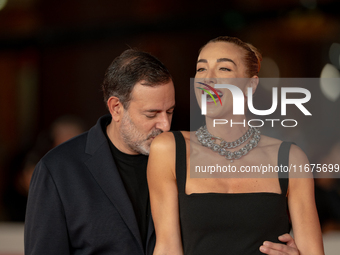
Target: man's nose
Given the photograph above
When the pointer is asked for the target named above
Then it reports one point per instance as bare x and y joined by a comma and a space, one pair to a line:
164, 122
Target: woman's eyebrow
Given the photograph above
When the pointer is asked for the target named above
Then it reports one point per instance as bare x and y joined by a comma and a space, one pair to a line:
218, 60
226, 60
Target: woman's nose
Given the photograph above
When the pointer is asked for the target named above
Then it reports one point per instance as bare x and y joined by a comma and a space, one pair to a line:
210, 81
210, 78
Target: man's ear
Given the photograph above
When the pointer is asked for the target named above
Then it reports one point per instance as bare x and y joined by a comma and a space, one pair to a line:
116, 108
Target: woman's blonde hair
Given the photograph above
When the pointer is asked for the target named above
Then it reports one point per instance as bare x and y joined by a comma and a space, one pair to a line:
252, 57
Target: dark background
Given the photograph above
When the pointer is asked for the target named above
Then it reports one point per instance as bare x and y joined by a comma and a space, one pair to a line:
53, 54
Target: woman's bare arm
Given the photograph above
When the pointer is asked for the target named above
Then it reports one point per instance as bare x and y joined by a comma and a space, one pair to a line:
164, 195
301, 203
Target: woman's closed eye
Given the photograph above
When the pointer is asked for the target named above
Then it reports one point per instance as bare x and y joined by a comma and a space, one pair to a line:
224, 69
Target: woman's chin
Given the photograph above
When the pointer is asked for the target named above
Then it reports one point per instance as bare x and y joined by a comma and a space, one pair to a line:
217, 113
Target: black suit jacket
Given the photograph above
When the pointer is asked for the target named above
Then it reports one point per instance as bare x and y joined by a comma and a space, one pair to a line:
77, 202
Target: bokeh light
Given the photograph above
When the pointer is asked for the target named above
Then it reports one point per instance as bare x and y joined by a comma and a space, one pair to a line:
2, 4
334, 54
310, 4
269, 69
330, 82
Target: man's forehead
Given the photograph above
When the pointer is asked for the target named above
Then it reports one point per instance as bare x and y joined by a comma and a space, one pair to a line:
153, 90
153, 96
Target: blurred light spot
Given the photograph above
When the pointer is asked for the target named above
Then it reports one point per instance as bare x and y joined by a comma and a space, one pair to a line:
2, 4
329, 71
269, 69
330, 82
310, 4
334, 54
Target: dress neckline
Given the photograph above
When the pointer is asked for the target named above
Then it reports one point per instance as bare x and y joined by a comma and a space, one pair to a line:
181, 170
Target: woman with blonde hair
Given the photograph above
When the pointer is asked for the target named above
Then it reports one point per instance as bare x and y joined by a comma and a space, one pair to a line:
228, 215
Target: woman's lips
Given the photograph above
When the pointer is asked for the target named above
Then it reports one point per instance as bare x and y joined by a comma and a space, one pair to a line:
215, 93
209, 99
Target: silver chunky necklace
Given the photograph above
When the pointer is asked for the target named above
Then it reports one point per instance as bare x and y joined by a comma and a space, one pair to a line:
208, 140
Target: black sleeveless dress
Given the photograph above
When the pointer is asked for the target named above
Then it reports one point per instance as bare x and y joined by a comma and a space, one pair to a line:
230, 223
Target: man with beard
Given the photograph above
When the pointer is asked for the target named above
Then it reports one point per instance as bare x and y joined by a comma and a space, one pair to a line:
90, 195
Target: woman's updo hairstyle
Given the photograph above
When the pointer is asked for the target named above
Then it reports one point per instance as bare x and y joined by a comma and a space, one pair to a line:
252, 57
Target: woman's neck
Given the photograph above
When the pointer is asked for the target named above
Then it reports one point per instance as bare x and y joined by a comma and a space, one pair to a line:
228, 129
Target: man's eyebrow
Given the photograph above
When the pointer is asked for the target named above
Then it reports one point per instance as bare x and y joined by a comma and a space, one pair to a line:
202, 61
158, 110
226, 60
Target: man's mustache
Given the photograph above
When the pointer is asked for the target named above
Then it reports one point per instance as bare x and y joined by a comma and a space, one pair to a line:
154, 133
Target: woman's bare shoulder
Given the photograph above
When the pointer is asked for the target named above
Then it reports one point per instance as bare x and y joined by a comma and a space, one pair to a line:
296, 153
186, 134
268, 142
166, 140
162, 142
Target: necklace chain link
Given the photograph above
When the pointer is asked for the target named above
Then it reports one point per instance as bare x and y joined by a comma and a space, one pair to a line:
209, 140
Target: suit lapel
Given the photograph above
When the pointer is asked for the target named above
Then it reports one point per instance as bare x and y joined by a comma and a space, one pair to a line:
150, 240
104, 171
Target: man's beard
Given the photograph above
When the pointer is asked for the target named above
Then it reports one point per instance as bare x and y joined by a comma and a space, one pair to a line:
133, 138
